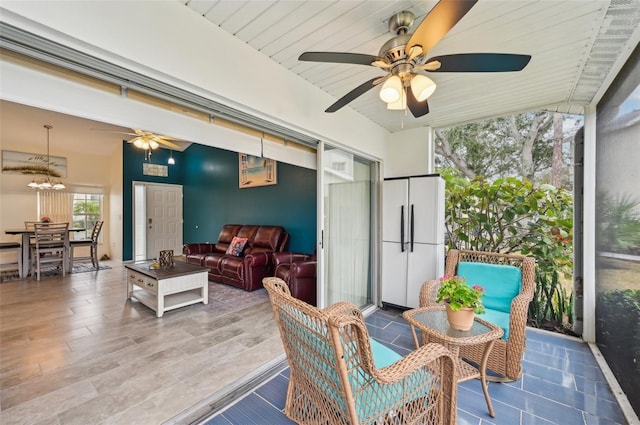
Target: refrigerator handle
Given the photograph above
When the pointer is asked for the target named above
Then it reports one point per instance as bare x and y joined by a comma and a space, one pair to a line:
402, 228
411, 228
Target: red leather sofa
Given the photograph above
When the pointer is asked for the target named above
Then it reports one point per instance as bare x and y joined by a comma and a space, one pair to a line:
250, 266
299, 273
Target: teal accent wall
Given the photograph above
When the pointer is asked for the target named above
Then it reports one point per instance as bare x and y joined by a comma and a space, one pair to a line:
132, 159
212, 197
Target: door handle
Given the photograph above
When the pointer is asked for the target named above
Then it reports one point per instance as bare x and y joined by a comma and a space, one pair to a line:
411, 228
402, 228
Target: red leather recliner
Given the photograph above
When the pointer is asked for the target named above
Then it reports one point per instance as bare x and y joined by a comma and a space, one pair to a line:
254, 263
299, 272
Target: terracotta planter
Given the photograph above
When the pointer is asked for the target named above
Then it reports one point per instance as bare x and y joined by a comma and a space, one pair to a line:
462, 319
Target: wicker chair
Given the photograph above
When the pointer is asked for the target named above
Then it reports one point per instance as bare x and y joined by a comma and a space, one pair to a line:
338, 375
506, 356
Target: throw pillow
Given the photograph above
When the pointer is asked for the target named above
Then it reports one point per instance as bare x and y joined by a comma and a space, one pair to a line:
236, 246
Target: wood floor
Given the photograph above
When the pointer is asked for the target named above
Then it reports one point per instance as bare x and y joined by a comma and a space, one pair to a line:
74, 350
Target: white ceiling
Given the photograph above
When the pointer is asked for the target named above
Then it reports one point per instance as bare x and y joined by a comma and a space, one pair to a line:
573, 43
576, 47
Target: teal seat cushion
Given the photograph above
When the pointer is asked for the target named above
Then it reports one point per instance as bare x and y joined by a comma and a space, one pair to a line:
312, 341
501, 283
383, 356
498, 318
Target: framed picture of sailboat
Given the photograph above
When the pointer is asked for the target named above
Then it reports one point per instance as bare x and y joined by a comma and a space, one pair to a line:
256, 171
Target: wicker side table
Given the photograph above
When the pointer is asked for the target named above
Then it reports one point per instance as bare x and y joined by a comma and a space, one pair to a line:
434, 327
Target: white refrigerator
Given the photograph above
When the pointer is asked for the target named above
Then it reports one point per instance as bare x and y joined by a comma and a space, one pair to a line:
412, 236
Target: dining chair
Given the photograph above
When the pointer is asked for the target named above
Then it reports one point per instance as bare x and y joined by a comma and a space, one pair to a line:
50, 246
92, 243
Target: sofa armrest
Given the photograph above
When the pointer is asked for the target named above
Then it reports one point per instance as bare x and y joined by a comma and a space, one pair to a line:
302, 269
257, 259
289, 257
198, 248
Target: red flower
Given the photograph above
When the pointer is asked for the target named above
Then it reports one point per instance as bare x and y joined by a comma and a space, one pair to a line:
478, 288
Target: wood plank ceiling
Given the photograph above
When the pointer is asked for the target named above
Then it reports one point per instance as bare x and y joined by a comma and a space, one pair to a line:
574, 44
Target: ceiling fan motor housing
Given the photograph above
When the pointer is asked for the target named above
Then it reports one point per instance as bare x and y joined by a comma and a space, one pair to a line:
393, 50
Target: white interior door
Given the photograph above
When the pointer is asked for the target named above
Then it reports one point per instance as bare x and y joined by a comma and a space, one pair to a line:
164, 219
157, 219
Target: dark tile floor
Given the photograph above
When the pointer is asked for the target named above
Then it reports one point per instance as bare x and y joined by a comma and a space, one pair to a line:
562, 384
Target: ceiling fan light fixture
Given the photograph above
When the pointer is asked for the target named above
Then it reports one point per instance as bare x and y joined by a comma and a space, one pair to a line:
153, 144
399, 105
391, 90
138, 143
422, 87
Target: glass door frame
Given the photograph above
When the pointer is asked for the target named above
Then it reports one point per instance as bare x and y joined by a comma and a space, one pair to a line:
375, 225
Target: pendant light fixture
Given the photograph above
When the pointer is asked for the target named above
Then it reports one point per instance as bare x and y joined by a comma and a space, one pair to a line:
47, 183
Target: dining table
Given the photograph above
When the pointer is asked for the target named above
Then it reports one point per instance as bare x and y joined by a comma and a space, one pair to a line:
27, 234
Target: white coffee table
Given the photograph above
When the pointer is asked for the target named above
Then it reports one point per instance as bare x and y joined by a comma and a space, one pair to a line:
166, 289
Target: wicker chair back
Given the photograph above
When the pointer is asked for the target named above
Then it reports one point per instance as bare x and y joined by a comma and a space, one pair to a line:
338, 375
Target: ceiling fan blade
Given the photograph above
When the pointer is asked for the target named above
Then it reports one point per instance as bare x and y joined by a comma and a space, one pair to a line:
337, 57
358, 91
438, 22
113, 131
480, 62
168, 144
417, 108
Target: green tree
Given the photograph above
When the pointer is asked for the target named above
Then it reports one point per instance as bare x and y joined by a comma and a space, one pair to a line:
512, 215
86, 207
514, 146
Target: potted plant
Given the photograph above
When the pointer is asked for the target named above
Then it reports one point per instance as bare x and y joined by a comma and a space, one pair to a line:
462, 301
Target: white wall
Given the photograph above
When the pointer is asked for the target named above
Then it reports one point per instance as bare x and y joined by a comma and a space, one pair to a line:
409, 153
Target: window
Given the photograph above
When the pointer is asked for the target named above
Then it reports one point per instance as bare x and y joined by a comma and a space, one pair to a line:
87, 209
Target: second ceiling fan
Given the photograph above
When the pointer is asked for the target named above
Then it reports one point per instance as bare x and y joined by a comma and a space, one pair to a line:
404, 58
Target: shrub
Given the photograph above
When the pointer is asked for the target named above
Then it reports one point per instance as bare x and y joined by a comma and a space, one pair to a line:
510, 215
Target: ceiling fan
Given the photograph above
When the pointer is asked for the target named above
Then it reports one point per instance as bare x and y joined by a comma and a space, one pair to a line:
403, 57
149, 141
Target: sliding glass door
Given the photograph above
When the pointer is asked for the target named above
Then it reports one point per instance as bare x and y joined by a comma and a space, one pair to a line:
348, 221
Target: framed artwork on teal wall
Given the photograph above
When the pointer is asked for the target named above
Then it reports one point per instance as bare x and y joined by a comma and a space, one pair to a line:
256, 171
